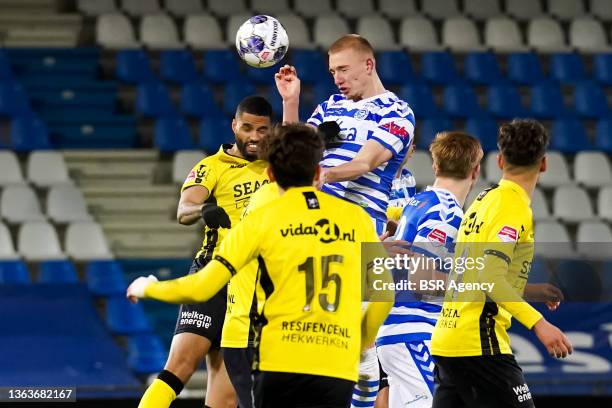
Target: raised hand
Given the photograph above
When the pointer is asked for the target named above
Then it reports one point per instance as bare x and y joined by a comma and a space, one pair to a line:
288, 83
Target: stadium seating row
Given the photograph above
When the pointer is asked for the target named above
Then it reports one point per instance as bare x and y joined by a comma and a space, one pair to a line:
38, 240
439, 9
503, 34
395, 68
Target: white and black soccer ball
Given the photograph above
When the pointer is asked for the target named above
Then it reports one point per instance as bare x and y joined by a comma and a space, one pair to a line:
262, 41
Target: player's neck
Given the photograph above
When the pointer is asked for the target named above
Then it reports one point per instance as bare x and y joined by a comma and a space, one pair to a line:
527, 181
459, 188
234, 151
375, 88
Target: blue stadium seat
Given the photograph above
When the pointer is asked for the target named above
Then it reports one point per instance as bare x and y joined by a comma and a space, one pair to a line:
567, 67
177, 66
460, 101
606, 281
428, 128
172, 134
153, 100
602, 69
98, 136
547, 101
124, 318
14, 272
133, 67
569, 136
310, 65
105, 278
60, 271
261, 76
484, 129
505, 101
13, 100
481, 68
213, 133
421, 100
525, 68
438, 68
234, 93
197, 100
321, 92
539, 272
146, 353
603, 135
578, 280
6, 73
29, 133
221, 66
590, 101
395, 68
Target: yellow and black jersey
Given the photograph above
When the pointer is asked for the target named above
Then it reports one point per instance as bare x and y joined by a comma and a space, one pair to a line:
230, 182
243, 293
307, 244
494, 245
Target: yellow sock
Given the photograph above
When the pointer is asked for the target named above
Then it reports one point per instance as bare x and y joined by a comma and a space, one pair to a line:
158, 395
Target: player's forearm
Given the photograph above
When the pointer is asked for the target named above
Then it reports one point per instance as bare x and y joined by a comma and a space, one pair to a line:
189, 213
505, 295
347, 171
291, 111
195, 288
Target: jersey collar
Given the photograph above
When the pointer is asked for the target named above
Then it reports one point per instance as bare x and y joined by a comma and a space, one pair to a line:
225, 156
516, 188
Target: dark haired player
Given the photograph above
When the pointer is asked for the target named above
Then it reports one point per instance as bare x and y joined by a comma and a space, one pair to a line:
470, 344
311, 328
217, 190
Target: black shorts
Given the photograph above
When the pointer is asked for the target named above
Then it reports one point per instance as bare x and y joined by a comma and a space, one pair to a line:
384, 378
288, 390
204, 319
480, 382
238, 362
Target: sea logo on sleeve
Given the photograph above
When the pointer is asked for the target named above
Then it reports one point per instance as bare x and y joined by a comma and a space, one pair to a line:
395, 130
437, 237
507, 234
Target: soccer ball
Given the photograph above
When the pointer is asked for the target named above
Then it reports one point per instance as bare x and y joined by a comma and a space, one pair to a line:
262, 41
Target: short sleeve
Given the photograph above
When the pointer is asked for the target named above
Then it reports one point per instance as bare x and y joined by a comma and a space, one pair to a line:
394, 130
318, 115
203, 175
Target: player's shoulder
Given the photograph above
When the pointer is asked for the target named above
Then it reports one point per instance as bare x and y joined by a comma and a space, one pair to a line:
390, 105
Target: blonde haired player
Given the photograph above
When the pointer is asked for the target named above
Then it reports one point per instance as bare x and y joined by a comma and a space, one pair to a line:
376, 129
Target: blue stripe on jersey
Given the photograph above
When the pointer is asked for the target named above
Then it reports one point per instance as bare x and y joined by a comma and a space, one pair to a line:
396, 319
427, 307
402, 338
365, 393
362, 404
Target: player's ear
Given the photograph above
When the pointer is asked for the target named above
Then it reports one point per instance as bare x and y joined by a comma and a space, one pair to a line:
234, 126
476, 172
500, 161
370, 65
543, 164
317, 175
270, 174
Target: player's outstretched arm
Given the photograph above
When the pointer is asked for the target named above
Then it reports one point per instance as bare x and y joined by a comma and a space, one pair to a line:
194, 288
288, 85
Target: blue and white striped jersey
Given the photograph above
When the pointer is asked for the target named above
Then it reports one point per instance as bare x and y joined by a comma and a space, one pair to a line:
384, 118
430, 222
403, 188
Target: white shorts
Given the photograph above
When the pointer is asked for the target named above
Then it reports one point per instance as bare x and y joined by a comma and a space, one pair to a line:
410, 373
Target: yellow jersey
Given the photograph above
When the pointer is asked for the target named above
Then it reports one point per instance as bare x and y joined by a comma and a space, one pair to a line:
243, 293
494, 245
307, 244
230, 181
